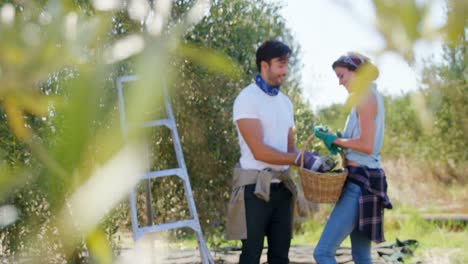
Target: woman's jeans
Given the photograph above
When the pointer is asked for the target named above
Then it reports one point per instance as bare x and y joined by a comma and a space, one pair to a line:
343, 221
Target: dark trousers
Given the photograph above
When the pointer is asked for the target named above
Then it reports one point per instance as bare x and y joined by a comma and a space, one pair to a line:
272, 219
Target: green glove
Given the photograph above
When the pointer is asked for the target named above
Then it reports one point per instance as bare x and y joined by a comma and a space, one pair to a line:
321, 128
339, 134
335, 149
322, 133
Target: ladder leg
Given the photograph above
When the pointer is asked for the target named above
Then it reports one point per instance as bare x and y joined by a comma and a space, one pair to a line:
134, 213
203, 248
204, 251
149, 210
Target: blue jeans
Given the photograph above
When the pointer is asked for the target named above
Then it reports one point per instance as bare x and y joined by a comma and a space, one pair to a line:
343, 221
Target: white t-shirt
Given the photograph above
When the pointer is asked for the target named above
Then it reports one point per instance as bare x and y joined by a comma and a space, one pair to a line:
276, 115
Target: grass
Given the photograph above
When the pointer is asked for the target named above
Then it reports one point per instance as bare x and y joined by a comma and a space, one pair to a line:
434, 238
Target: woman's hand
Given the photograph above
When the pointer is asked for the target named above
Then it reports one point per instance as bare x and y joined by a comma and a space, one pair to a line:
328, 138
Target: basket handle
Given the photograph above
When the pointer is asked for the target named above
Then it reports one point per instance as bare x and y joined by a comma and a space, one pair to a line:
304, 148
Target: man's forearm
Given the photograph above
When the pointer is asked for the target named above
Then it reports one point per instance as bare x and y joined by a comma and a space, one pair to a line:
273, 156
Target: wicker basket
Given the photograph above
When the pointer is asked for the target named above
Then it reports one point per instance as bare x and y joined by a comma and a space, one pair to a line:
321, 187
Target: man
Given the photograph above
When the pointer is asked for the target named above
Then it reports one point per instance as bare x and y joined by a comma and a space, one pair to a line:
263, 194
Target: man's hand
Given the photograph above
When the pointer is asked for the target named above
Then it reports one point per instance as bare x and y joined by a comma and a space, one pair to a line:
313, 161
309, 159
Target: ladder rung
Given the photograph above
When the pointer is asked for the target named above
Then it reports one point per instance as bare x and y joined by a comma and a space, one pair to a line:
164, 173
192, 223
155, 123
162, 122
127, 78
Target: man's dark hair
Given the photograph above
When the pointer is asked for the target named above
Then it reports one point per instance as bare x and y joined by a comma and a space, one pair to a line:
271, 49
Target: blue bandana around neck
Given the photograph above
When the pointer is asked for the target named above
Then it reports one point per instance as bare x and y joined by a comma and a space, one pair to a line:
270, 90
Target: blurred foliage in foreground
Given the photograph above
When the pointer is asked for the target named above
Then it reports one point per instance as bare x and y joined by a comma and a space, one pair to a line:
65, 169
65, 165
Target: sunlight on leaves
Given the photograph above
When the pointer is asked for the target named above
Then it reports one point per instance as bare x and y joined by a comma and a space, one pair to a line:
124, 48
198, 11
359, 86
8, 215
7, 14
400, 23
107, 5
107, 186
15, 118
152, 248
138, 9
457, 20
212, 60
158, 17
32, 102
99, 246
71, 21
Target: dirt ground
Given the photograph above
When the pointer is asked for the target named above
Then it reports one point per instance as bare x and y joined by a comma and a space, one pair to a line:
297, 255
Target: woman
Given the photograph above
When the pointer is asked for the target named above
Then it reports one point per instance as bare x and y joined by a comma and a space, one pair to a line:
359, 211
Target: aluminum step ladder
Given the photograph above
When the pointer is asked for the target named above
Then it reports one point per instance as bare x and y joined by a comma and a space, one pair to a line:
193, 222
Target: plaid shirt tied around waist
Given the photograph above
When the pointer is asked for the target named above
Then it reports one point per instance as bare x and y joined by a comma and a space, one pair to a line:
373, 200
